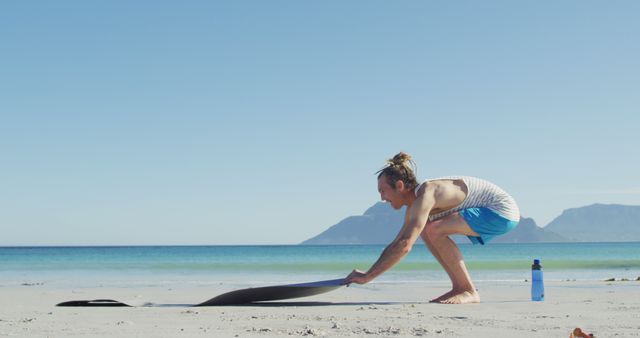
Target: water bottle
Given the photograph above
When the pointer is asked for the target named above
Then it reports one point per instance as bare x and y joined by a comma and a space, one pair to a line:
537, 285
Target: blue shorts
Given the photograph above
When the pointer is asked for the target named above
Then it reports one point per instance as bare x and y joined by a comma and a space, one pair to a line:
486, 223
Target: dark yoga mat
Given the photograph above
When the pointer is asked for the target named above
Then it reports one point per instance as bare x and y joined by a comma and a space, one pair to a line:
240, 297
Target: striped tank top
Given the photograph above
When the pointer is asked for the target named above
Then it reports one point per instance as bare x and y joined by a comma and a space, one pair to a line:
481, 194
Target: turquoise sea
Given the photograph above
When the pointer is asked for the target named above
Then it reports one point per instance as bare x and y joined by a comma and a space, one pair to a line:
127, 266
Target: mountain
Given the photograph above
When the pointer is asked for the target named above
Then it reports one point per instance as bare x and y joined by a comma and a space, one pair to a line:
528, 231
599, 223
380, 224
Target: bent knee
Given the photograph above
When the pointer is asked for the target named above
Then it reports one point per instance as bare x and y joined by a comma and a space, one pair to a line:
433, 230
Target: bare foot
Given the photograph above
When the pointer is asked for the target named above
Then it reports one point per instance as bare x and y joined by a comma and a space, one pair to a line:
445, 296
463, 297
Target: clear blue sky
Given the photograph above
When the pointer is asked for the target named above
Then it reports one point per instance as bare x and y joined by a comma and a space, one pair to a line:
263, 122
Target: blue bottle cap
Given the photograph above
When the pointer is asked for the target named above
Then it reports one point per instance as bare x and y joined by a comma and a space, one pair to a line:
536, 261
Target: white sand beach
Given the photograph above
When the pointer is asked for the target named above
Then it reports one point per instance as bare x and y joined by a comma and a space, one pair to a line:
606, 309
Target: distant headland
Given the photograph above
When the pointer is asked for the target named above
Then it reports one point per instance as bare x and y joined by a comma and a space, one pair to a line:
593, 223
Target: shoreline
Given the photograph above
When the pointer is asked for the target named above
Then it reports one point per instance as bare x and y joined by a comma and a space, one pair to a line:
219, 288
122, 279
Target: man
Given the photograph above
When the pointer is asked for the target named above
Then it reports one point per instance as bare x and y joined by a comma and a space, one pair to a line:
435, 210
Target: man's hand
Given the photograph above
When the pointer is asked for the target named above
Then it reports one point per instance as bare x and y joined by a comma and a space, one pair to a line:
358, 277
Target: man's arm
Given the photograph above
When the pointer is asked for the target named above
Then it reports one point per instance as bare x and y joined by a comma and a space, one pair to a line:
401, 245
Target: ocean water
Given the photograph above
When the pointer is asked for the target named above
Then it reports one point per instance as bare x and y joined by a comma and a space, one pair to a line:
128, 266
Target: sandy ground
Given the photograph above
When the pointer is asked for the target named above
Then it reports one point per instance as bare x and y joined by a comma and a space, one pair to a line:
606, 309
